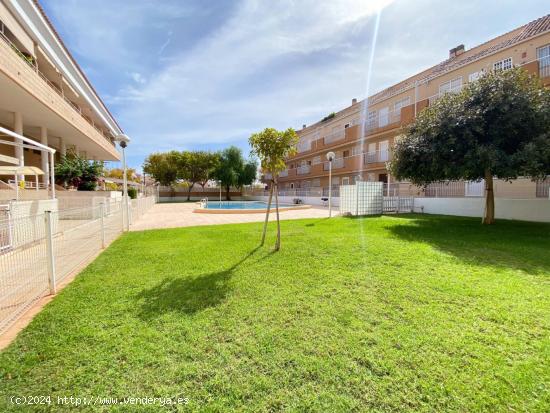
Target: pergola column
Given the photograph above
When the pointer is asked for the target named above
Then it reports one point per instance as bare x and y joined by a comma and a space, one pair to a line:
44, 156
18, 128
62, 147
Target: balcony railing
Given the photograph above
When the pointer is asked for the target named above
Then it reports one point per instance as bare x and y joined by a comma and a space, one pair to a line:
303, 170
32, 63
336, 164
377, 156
335, 137
283, 174
303, 146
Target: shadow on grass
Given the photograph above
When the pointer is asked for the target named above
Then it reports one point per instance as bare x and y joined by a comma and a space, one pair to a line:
507, 244
188, 295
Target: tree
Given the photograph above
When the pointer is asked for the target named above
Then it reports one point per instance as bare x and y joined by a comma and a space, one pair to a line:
272, 147
163, 167
248, 174
118, 173
210, 162
231, 170
78, 172
197, 167
497, 126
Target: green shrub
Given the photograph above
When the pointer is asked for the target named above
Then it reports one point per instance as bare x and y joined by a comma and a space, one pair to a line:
132, 193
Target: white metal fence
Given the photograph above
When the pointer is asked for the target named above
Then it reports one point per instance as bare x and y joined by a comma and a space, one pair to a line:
37, 252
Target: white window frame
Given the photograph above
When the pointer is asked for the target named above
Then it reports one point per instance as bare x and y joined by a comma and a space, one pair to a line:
383, 117
345, 180
400, 104
450, 86
504, 64
371, 119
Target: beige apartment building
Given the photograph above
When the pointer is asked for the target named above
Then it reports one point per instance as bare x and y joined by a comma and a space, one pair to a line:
45, 96
382, 116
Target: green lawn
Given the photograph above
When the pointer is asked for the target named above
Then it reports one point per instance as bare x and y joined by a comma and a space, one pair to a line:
406, 313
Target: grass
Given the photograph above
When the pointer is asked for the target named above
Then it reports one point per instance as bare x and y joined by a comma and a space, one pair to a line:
406, 313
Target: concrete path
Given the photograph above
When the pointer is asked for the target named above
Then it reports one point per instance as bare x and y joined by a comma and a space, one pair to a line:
174, 215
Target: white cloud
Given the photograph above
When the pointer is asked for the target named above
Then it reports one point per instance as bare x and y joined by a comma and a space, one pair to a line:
251, 73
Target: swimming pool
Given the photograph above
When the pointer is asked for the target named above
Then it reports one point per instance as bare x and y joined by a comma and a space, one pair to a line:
244, 207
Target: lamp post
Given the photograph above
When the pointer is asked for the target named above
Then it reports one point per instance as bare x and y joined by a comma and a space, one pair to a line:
330, 158
123, 141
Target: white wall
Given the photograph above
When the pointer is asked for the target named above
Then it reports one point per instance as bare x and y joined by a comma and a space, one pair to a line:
521, 209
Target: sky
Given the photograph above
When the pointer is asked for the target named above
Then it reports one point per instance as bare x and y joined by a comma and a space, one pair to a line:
204, 75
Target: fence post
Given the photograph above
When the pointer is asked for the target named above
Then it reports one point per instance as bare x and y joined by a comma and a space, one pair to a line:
49, 251
122, 213
102, 213
356, 199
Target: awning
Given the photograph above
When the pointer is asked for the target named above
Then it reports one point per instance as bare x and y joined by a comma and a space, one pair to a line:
20, 170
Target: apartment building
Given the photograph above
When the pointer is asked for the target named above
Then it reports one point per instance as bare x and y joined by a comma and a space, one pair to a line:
363, 134
45, 96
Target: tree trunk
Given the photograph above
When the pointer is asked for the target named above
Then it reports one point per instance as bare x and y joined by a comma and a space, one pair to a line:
278, 243
189, 192
267, 213
227, 196
489, 217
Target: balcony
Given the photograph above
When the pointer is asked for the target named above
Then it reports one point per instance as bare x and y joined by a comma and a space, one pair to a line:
335, 137
23, 70
303, 170
376, 156
283, 174
337, 163
303, 147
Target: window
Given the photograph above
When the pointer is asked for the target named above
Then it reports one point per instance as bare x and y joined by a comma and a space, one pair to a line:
452, 86
401, 104
472, 77
346, 154
543, 55
504, 64
316, 183
383, 118
371, 119
345, 180
356, 150
292, 185
316, 160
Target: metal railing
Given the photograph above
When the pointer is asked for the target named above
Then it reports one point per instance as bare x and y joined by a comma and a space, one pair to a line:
303, 170
383, 155
336, 164
335, 137
28, 184
303, 146
32, 63
37, 252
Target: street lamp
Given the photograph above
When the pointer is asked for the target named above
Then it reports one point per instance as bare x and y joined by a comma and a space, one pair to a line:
330, 158
123, 141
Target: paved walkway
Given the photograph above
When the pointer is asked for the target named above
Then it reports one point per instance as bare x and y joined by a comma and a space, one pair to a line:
174, 215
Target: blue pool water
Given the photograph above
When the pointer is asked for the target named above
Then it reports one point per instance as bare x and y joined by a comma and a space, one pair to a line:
241, 205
